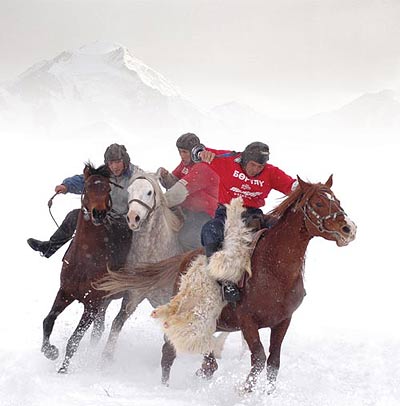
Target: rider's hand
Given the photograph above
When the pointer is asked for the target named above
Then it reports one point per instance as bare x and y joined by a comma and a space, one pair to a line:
60, 189
206, 156
162, 172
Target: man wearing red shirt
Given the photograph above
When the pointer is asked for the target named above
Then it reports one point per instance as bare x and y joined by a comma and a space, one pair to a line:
249, 176
193, 186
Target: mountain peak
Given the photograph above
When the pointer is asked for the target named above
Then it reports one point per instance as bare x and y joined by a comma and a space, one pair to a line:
99, 48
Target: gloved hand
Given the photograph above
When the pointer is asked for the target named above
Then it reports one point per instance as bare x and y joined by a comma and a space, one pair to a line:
254, 220
167, 179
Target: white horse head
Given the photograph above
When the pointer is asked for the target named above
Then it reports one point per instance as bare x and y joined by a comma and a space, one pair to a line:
145, 197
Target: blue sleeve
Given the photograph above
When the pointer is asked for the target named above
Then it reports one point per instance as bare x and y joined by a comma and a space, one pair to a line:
74, 184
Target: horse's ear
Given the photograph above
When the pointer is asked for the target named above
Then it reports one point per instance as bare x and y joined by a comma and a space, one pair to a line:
86, 171
303, 185
329, 182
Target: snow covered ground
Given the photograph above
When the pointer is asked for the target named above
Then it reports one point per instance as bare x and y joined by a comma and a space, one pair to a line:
341, 349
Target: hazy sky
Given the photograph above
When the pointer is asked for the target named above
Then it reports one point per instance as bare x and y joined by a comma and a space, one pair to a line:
284, 57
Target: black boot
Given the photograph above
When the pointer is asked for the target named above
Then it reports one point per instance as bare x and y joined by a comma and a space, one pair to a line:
230, 291
46, 248
212, 248
62, 235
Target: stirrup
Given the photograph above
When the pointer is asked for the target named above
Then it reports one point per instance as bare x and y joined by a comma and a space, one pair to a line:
230, 292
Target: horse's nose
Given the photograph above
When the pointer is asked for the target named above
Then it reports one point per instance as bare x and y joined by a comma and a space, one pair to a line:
133, 219
99, 215
346, 229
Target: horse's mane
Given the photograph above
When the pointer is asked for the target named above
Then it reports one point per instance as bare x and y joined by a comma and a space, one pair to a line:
172, 220
101, 170
297, 199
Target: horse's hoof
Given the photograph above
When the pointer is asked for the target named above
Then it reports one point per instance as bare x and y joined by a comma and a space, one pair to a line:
204, 374
271, 386
244, 389
51, 352
107, 358
63, 370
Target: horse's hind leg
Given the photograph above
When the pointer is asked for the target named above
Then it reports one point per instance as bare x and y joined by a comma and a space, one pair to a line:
86, 320
208, 367
167, 359
59, 305
128, 306
98, 323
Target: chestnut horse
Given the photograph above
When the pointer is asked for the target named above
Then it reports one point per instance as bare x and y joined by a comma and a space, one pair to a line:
275, 289
85, 261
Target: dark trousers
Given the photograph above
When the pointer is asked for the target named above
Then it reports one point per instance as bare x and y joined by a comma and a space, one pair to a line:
212, 233
119, 241
120, 236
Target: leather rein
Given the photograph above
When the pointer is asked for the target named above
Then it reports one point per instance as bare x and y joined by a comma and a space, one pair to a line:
141, 202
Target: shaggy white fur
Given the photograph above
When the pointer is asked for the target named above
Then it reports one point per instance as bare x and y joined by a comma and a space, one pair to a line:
189, 319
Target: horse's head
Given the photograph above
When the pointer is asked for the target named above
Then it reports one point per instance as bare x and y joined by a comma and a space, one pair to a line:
96, 201
142, 193
323, 214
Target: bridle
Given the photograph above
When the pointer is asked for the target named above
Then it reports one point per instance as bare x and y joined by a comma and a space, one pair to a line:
319, 220
85, 210
141, 202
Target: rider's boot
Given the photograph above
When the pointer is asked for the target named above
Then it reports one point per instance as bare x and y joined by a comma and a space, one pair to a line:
46, 248
230, 291
62, 235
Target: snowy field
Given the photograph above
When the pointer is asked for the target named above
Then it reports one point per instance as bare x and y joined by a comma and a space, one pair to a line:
342, 348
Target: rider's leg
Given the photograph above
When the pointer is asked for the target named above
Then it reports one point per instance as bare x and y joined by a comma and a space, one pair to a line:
189, 235
120, 242
212, 236
62, 235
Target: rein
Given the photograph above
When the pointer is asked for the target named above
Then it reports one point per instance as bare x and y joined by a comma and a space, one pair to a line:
142, 203
49, 204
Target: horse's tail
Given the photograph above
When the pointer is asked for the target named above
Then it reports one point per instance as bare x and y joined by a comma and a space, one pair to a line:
142, 276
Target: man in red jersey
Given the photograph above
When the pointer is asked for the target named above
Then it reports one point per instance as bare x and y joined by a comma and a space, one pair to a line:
193, 186
246, 175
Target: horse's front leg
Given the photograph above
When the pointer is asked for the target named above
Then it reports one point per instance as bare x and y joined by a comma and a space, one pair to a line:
98, 323
167, 359
251, 335
278, 333
128, 306
59, 305
86, 320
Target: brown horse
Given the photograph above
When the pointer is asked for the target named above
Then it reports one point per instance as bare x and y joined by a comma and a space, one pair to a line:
275, 289
85, 261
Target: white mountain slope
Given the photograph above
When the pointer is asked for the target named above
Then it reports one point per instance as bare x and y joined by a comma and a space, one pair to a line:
101, 82
370, 111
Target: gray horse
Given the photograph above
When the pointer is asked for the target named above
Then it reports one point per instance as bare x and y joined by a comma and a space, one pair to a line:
155, 237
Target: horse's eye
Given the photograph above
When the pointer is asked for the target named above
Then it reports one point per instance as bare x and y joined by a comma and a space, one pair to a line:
149, 193
319, 204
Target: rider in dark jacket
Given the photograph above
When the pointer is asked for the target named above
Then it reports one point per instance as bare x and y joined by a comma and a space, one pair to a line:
118, 161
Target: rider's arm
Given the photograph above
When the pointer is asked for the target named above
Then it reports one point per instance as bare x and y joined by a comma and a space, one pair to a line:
176, 195
74, 184
167, 179
281, 181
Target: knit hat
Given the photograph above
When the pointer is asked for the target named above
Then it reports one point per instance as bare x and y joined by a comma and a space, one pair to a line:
187, 141
257, 152
116, 152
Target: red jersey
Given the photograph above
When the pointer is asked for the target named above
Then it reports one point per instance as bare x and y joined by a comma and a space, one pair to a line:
202, 184
233, 182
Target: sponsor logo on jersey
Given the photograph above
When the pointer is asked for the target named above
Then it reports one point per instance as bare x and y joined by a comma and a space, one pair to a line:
242, 176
